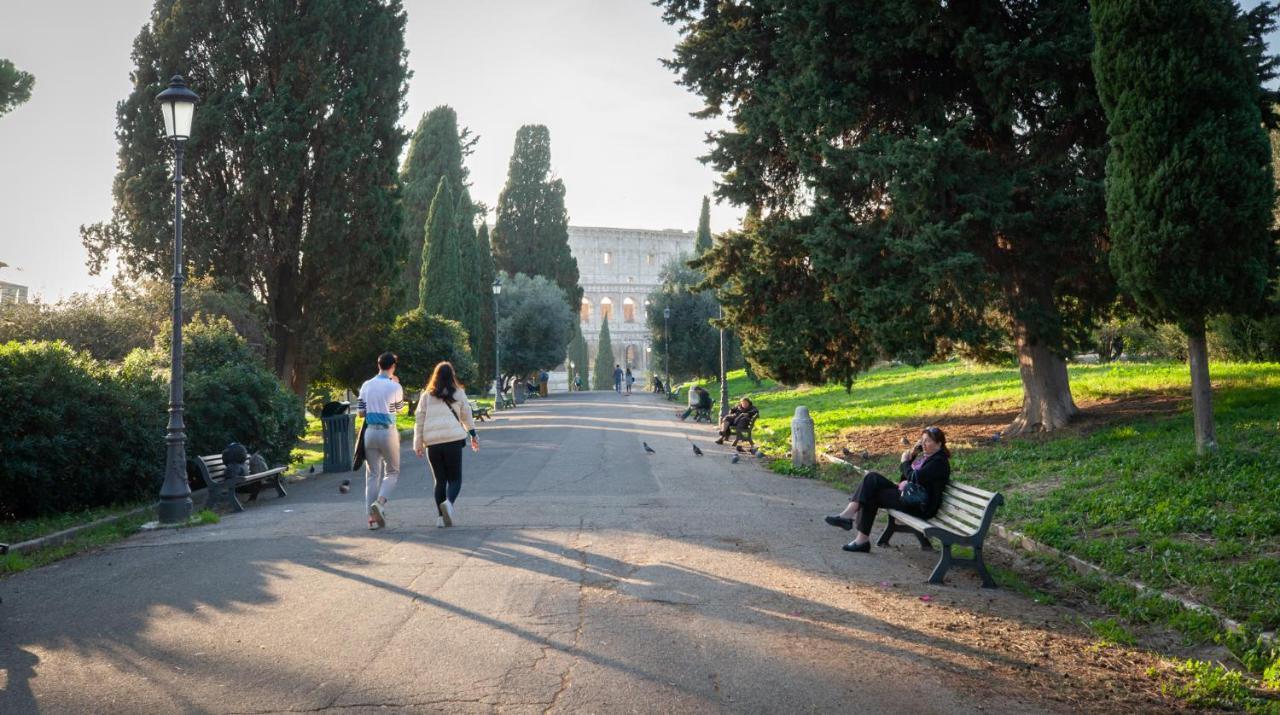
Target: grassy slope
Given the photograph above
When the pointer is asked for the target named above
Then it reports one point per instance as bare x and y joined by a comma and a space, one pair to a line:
1131, 496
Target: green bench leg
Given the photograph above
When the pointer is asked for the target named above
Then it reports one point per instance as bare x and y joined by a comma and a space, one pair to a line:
280, 486
944, 563
987, 581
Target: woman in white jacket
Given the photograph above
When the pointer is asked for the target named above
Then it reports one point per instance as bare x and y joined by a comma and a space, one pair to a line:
441, 427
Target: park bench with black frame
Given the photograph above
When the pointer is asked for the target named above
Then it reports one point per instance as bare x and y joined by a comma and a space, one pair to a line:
674, 395
479, 412
743, 431
213, 475
702, 414
963, 519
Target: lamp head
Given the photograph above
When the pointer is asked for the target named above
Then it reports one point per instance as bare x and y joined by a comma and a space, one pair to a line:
178, 106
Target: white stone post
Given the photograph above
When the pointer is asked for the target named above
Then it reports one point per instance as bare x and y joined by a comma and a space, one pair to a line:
803, 442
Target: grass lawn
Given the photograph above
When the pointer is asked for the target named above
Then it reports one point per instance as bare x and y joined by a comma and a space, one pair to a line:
1124, 490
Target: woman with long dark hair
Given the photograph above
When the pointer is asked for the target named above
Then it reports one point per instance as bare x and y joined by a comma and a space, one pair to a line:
925, 470
440, 430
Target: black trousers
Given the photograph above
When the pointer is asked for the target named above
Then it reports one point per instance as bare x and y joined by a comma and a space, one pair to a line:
729, 422
446, 468
875, 492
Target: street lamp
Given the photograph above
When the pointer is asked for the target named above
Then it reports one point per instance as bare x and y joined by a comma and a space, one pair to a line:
724, 383
570, 376
177, 105
666, 338
497, 372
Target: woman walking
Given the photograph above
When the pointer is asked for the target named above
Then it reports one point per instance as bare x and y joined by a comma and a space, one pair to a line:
440, 430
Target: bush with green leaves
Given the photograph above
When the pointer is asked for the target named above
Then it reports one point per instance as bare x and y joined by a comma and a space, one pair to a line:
229, 394
79, 434
421, 341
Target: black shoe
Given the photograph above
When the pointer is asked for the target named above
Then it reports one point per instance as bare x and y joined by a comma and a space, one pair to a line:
863, 548
840, 521
720, 441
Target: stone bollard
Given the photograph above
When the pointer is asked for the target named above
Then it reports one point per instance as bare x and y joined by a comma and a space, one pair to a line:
803, 443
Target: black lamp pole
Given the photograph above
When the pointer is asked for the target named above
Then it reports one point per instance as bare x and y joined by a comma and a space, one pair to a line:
724, 383
177, 103
666, 338
497, 371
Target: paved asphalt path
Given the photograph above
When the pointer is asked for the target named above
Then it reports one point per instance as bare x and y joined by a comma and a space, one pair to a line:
584, 575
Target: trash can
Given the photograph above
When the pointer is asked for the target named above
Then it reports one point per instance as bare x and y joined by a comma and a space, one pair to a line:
338, 426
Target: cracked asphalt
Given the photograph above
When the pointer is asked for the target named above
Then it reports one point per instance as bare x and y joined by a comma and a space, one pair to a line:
583, 575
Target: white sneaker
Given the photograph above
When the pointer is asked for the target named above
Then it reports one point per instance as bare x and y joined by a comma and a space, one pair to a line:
446, 513
439, 522
379, 513
452, 510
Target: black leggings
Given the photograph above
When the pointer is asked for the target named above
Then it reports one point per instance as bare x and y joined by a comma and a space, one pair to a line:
446, 469
875, 492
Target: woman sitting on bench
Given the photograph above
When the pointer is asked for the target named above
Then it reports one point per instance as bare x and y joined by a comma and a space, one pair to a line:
927, 464
740, 415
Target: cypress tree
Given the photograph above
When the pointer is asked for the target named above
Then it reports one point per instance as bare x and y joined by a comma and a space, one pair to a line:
485, 275
531, 231
703, 242
604, 360
1189, 184
436, 150
290, 173
468, 267
439, 290
579, 354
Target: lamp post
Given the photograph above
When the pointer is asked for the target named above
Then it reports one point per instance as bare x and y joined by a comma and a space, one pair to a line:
666, 339
177, 104
724, 383
497, 371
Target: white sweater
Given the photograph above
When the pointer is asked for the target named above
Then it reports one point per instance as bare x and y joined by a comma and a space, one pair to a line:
436, 423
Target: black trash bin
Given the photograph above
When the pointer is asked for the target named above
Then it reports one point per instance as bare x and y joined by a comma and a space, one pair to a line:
338, 426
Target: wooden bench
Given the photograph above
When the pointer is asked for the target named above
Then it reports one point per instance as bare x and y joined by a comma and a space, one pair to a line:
702, 414
213, 475
962, 520
480, 413
674, 395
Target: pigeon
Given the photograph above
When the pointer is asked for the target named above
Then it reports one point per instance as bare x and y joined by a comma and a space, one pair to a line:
695, 449
906, 442
312, 470
845, 451
864, 455
996, 437
735, 459
345, 486
649, 449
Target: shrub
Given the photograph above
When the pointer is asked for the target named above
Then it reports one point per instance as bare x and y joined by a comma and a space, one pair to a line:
1245, 339
421, 341
229, 395
79, 434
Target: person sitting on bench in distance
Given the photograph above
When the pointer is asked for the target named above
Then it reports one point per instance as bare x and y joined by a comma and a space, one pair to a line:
702, 401
928, 464
740, 415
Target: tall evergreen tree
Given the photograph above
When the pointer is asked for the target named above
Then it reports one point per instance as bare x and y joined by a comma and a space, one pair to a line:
703, 242
580, 355
531, 232
15, 86
290, 173
604, 360
485, 275
1189, 183
437, 149
927, 174
468, 266
440, 288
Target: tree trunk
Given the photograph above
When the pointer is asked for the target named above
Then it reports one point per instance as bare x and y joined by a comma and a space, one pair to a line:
1046, 390
284, 330
1201, 389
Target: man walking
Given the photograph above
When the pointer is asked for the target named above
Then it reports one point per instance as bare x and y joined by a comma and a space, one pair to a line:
381, 397
617, 378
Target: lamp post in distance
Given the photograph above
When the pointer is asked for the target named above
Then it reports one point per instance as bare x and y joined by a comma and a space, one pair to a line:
497, 370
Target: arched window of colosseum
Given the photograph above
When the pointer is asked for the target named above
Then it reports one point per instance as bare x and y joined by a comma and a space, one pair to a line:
584, 313
628, 310
648, 260
606, 309
608, 257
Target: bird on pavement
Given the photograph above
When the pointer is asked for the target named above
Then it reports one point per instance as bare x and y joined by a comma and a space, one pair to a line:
649, 449
345, 486
312, 470
735, 459
695, 449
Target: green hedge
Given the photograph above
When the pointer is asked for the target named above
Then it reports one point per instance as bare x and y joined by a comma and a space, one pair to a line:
79, 434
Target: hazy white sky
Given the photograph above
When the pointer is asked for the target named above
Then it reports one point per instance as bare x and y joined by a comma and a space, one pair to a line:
621, 135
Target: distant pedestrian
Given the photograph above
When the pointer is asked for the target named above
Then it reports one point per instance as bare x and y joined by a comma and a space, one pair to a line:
440, 430
577, 382
617, 378
381, 397
631, 380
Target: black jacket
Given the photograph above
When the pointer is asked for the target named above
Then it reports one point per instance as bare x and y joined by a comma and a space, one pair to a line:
704, 400
933, 475
737, 413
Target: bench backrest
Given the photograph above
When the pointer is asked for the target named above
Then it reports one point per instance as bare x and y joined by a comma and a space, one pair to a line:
213, 463
967, 509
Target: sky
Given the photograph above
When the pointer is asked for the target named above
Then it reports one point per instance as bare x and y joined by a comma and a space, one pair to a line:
621, 135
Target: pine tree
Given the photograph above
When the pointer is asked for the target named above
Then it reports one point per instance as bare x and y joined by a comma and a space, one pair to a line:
703, 243
531, 233
1189, 183
469, 268
485, 275
440, 290
436, 150
604, 360
579, 354
289, 179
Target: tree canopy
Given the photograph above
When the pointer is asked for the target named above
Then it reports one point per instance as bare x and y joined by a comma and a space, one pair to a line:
534, 324
531, 233
15, 86
443, 290
605, 359
694, 339
921, 175
290, 175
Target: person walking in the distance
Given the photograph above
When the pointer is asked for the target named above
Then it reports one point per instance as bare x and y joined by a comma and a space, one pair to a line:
381, 397
617, 378
440, 430
630, 379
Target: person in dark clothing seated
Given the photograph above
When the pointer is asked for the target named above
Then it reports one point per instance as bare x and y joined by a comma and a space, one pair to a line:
927, 464
740, 415
703, 403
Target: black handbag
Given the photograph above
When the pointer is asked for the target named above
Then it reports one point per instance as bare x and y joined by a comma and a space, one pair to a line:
914, 494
